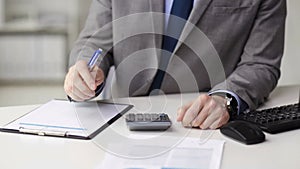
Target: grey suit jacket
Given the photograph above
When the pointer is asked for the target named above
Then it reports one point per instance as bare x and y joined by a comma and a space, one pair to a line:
227, 44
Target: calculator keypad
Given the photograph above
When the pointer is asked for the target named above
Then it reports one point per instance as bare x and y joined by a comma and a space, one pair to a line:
147, 117
148, 121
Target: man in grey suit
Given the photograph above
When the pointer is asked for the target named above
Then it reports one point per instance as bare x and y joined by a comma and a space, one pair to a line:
237, 61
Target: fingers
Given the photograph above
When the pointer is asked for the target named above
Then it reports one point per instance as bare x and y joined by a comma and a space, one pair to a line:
181, 111
201, 116
99, 77
76, 85
205, 112
85, 74
77, 95
219, 123
219, 115
194, 110
216, 119
81, 89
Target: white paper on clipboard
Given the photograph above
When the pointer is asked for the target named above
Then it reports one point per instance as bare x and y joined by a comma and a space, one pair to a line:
68, 119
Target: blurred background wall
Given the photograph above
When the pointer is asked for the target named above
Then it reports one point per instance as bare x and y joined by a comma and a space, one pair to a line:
36, 37
35, 40
291, 60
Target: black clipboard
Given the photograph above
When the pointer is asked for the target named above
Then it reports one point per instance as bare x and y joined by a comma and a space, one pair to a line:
56, 118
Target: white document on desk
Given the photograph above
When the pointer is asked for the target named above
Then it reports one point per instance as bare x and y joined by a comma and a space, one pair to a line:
189, 154
72, 119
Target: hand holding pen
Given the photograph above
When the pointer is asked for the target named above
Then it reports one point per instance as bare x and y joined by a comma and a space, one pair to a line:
83, 78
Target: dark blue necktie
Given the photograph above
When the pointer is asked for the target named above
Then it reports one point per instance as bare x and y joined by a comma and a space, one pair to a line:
182, 9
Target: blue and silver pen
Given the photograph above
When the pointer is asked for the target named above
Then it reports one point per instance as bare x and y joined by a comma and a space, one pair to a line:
94, 58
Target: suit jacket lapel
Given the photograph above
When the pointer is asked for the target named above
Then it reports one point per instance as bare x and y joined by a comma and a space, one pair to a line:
158, 26
197, 12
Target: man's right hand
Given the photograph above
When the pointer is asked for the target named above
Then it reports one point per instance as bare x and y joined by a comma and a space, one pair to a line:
81, 83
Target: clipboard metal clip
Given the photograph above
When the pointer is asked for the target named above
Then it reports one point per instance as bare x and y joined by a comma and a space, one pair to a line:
42, 132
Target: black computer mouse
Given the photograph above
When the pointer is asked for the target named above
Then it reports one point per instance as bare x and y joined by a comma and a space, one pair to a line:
244, 132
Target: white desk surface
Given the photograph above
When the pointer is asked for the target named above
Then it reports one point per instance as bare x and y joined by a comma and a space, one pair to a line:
28, 152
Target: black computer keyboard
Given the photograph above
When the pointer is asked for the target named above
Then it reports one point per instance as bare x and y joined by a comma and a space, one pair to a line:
274, 120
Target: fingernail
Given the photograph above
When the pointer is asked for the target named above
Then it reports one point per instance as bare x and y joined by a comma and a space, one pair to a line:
202, 127
188, 125
193, 123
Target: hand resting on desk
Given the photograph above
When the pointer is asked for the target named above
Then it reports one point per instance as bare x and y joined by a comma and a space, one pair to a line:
205, 112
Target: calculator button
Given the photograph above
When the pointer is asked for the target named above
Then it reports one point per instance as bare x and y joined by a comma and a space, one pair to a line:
154, 117
130, 117
139, 117
147, 117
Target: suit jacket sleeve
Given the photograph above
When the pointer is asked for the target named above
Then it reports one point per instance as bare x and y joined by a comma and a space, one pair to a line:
97, 33
258, 71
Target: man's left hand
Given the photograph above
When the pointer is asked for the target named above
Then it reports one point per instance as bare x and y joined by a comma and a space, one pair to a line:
206, 112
